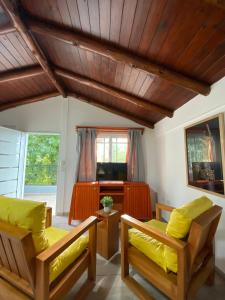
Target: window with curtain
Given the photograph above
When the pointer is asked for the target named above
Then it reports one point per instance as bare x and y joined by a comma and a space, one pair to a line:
112, 147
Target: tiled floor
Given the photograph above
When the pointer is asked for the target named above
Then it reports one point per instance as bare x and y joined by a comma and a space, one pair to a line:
109, 285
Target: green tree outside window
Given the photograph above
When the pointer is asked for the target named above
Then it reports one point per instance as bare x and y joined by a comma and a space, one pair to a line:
42, 160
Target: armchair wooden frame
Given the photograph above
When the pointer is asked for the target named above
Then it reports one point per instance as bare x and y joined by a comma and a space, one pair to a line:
28, 274
195, 256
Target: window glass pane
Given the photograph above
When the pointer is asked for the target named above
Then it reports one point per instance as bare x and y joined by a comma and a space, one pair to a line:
121, 152
114, 150
106, 152
100, 152
116, 145
122, 140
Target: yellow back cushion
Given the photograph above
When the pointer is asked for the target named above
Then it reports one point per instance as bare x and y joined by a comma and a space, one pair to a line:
181, 218
26, 214
179, 225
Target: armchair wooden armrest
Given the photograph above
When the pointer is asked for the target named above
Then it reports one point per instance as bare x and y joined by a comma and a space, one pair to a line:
160, 207
52, 252
174, 243
44, 258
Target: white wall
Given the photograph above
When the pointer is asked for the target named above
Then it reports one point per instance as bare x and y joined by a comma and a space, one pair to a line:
170, 172
61, 116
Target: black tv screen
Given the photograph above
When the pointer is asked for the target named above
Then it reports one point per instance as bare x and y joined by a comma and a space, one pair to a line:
111, 171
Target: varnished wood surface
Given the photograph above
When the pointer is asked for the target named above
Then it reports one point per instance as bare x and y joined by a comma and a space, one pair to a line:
99, 87
117, 55
111, 129
107, 233
186, 37
19, 24
129, 197
22, 101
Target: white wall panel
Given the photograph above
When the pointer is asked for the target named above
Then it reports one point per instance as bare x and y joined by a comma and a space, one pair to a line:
11, 155
9, 161
8, 174
7, 187
9, 147
9, 135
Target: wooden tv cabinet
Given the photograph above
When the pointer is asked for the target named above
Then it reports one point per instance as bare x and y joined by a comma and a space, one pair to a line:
132, 198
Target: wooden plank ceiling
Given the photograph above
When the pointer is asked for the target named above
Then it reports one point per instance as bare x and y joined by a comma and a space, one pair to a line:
141, 59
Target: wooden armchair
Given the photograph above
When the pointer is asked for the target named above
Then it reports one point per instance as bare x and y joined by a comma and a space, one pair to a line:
23, 275
195, 256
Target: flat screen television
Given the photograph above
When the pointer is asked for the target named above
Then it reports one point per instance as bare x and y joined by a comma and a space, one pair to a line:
111, 171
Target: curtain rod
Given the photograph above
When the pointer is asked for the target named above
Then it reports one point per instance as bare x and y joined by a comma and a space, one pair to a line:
112, 129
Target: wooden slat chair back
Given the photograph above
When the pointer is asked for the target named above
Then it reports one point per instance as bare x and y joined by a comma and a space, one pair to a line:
201, 236
196, 260
17, 257
25, 275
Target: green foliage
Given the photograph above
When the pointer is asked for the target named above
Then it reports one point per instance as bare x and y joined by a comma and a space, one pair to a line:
42, 159
107, 201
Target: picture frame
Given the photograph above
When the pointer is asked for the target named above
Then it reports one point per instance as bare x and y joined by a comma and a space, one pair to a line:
205, 155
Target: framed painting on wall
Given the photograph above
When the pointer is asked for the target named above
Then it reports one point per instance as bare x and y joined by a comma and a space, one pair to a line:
205, 154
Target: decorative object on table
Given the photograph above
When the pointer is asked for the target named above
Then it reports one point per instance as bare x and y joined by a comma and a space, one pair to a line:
205, 154
107, 202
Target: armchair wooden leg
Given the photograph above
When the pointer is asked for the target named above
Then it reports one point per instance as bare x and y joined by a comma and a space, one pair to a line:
42, 281
92, 249
124, 250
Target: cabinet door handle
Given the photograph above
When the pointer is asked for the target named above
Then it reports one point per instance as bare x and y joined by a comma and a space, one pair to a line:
128, 188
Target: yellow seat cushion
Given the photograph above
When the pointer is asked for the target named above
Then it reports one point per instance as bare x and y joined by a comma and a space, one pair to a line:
148, 245
26, 214
68, 256
178, 227
181, 218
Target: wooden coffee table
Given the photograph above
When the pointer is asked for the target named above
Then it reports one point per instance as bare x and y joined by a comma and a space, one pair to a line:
107, 233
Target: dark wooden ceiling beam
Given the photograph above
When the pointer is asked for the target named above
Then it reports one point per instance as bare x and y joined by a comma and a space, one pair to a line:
21, 73
111, 109
7, 29
37, 98
118, 55
86, 82
31, 43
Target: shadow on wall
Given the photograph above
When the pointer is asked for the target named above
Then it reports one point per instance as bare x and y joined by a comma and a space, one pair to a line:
154, 198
